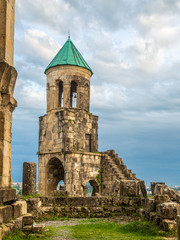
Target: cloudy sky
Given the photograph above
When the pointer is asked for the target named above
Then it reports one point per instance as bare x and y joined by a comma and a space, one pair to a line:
133, 48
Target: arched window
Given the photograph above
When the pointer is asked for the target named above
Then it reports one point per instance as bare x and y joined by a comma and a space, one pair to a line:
73, 94
60, 94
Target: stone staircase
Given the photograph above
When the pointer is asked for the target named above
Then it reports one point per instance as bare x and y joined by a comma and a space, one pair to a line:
113, 169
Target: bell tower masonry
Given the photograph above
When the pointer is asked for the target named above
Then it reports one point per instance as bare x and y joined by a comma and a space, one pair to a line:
68, 133
68, 127
8, 77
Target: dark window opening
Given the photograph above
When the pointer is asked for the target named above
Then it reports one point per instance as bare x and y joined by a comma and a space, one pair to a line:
60, 94
88, 143
73, 96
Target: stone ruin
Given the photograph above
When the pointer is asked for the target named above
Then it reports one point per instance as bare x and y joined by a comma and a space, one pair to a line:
68, 151
164, 206
68, 134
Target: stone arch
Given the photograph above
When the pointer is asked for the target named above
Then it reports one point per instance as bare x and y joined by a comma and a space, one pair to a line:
54, 174
73, 94
94, 184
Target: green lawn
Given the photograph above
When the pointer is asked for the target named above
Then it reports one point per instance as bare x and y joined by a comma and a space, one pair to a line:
101, 230
110, 230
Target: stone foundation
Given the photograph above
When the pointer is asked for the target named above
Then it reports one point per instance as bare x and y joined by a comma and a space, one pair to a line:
86, 207
12, 211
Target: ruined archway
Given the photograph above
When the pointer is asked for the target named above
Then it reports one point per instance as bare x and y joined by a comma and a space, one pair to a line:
91, 188
55, 174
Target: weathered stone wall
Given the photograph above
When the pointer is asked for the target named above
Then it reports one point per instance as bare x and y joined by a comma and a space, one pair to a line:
7, 16
88, 207
76, 170
162, 208
67, 74
29, 178
113, 170
66, 129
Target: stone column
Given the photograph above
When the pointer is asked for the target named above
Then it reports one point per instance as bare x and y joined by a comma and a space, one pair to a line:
178, 227
29, 178
8, 77
7, 15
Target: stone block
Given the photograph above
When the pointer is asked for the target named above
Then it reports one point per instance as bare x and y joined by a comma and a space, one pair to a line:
38, 228
33, 204
27, 220
128, 188
18, 223
7, 195
178, 227
153, 184
159, 189
161, 198
142, 189
168, 210
173, 194
169, 225
6, 213
1, 233
19, 208
150, 205
5, 230
142, 213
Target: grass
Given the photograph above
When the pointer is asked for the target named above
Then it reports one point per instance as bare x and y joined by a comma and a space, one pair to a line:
30, 196
19, 235
100, 230
115, 231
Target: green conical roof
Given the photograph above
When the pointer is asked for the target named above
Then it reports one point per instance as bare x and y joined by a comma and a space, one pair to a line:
69, 55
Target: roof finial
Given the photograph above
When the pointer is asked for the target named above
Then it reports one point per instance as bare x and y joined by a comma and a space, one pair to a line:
69, 34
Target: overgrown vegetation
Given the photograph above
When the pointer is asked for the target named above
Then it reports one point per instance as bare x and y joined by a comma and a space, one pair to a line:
19, 235
30, 196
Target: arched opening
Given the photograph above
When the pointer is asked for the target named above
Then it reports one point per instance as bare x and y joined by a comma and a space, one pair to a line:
60, 185
55, 174
73, 94
92, 188
60, 94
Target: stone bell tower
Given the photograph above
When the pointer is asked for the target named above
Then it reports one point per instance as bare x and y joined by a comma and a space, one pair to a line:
68, 128
8, 77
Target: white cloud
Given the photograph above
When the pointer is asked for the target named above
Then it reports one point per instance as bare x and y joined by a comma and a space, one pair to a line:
133, 49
